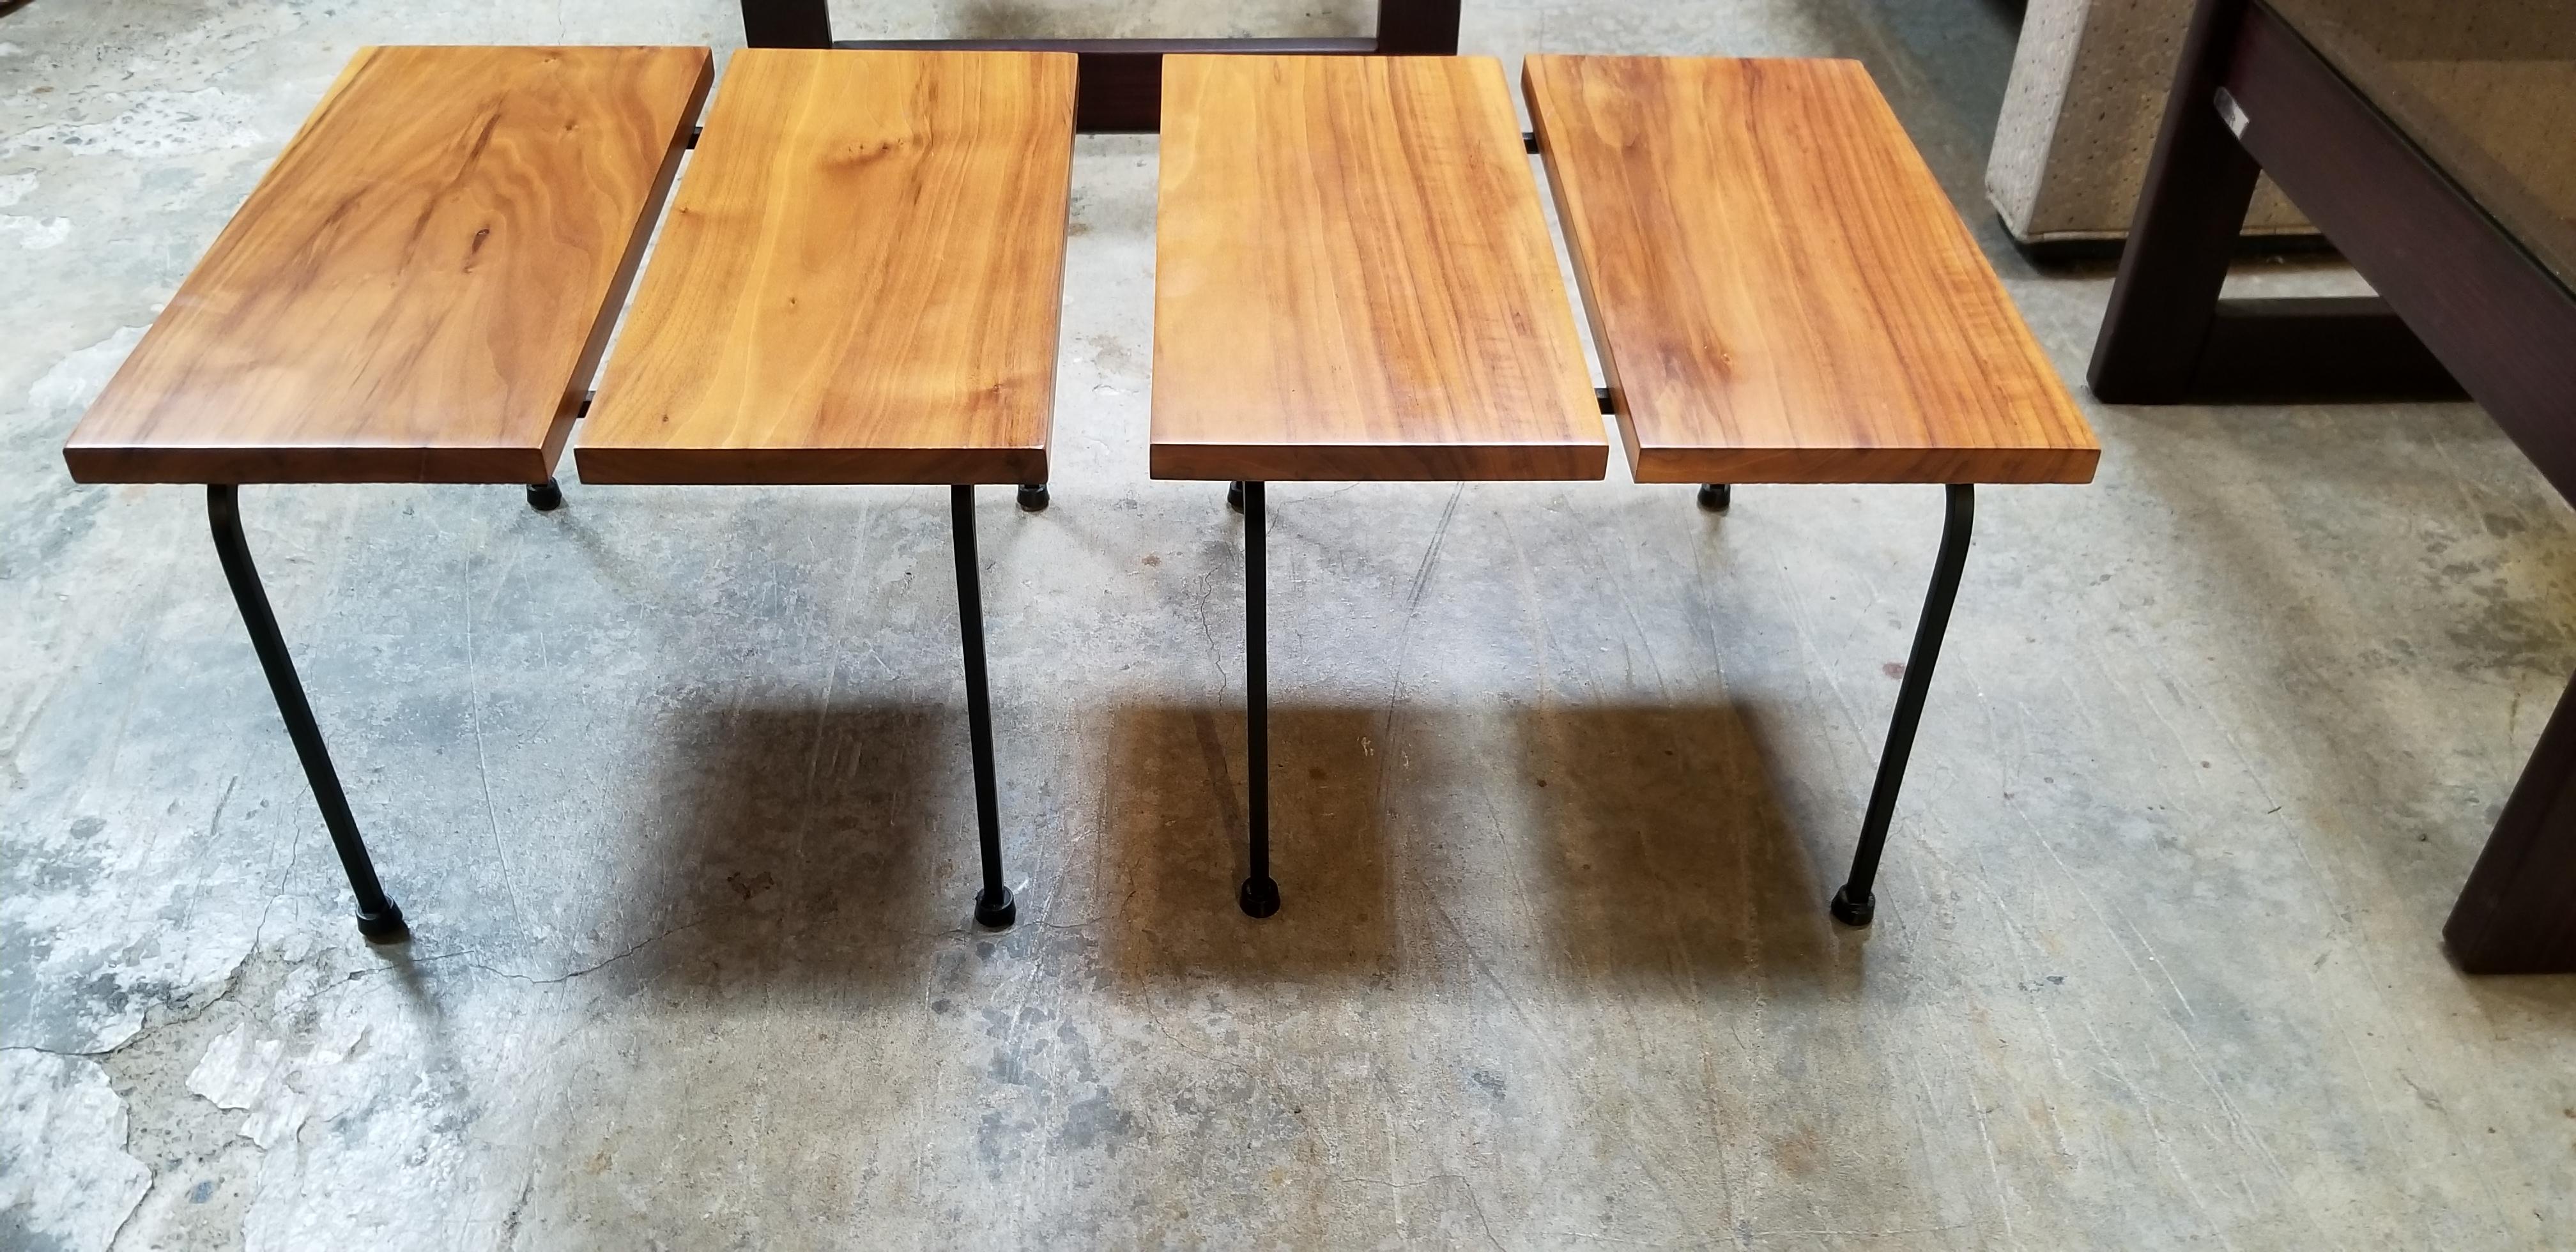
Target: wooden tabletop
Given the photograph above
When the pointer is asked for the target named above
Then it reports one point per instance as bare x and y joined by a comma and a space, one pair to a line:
1353, 279
419, 288
1779, 290
859, 282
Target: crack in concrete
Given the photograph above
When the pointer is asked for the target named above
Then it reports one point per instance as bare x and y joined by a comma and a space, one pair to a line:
587, 969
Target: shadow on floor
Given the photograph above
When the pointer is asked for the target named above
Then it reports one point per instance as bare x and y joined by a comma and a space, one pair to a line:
1639, 845
1176, 839
1665, 856
830, 851
795, 846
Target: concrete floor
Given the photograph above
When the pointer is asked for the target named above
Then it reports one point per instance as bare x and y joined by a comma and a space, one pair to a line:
673, 786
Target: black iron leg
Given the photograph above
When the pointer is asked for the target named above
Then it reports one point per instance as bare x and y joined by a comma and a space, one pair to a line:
545, 497
1853, 904
378, 919
1260, 894
993, 905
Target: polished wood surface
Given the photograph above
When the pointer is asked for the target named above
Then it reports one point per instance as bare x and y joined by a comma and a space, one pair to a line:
1779, 290
419, 288
859, 281
1353, 279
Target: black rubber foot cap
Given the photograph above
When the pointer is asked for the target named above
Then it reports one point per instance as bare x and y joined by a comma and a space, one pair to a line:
995, 909
545, 497
385, 927
1259, 897
1714, 497
1852, 912
1234, 501
1033, 497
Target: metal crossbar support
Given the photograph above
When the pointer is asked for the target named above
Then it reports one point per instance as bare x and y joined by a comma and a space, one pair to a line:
993, 905
1714, 497
1854, 904
378, 918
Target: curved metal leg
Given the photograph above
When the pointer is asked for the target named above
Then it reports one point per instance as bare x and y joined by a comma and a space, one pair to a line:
1260, 894
1854, 905
378, 919
993, 905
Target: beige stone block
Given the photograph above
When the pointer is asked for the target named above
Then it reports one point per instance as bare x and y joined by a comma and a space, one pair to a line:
2080, 117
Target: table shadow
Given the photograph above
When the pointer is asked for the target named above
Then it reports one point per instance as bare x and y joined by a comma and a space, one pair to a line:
1665, 855
1641, 846
1176, 847
801, 847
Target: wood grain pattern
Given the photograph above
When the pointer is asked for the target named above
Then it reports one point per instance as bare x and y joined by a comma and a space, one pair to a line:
1779, 290
419, 288
1353, 279
859, 281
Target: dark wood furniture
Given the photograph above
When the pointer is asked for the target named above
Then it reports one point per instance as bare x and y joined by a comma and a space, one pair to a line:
1121, 81
2435, 145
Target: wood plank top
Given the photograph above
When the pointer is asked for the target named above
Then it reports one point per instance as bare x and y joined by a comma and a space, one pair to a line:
1778, 288
419, 288
859, 282
1353, 279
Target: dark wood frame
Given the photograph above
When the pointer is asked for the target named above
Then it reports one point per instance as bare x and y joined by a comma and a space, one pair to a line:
2463, 307
1120, 88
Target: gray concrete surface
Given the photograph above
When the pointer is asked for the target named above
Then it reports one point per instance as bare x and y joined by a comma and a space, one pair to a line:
673, 786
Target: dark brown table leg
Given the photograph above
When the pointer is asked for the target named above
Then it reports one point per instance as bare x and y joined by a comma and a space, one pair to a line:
2199, 183
2518, 913
2251, 94
1417, 27
2168, 339
786, 24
